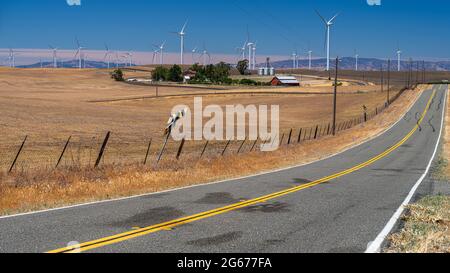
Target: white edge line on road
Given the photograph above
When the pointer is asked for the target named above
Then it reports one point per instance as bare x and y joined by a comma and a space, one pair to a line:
215, 182
375, 246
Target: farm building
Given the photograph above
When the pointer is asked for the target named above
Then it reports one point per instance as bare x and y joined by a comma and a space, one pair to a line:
285, 81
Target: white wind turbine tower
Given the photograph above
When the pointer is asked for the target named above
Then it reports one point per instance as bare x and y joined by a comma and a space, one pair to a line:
79, 53
154, 55
182, 34
85, 57
160, 48
128, 56
310, 59
250, 50
242, 50
108, 55
205, 54
12, 58
194, 51
294, 60
399, 60
254, 55
328, 25
55, 56
356, 61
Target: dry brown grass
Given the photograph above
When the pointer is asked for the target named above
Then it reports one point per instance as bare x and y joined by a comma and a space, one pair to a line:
427, 228
446, 151
31, 191
51, 105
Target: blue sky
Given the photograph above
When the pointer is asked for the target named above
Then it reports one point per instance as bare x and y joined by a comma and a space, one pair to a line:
419, 27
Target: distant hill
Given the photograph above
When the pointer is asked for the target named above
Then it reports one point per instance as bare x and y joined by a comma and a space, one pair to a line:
74, 64
348, 63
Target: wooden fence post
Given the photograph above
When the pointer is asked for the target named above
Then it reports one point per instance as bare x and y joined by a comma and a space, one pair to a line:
63, 152
315, 134
290, 136
102, 150
241, 146
300, 135
282, 138
148, 152
253, 146
180, 149
226, 146
163, 148
17, 155
204, 149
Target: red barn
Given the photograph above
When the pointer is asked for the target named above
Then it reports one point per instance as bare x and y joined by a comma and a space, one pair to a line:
285, 81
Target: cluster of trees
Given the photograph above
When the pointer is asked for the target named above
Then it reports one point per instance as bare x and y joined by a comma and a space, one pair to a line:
173, 74
215, 74
210, 74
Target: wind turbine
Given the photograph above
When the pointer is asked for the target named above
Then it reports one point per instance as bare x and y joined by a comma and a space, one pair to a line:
254, 55
108, 54
399, 60
194, 51
129, 56
85, 57
310, 59
154, 55
12, 58
294, 60
182, 33
205, 54
328, 25
79, 53
55, 52
242, 50
250, 49
356, 61
161, 52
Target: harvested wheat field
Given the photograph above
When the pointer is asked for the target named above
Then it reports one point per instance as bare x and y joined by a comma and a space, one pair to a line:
48, 106
31, 190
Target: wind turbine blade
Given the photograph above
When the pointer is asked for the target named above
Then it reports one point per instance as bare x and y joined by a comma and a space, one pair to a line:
321, 17
184, 27
334, 17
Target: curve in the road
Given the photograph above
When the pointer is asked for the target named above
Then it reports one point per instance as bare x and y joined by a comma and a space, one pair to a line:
208, 214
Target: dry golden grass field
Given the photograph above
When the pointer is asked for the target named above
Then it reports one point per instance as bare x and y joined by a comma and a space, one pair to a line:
446, 153
49, 106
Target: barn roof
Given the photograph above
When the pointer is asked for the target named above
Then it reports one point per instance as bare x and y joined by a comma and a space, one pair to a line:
287, 79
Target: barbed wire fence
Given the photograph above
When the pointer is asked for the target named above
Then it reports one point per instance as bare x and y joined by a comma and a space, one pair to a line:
109, 149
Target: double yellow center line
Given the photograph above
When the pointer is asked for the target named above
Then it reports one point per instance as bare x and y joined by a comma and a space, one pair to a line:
207, 214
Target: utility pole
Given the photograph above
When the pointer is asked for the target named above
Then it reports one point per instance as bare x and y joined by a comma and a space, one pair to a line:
382, 79
417, 72
335, 96
423, 71
389, 82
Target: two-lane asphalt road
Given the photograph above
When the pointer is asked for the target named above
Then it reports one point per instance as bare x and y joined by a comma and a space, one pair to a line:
339, 204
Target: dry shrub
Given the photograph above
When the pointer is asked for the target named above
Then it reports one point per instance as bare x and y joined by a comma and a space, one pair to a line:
427, 228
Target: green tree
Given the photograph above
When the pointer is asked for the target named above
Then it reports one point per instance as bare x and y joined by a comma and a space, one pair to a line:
117, 75
160, 74
242, 66
175, 74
